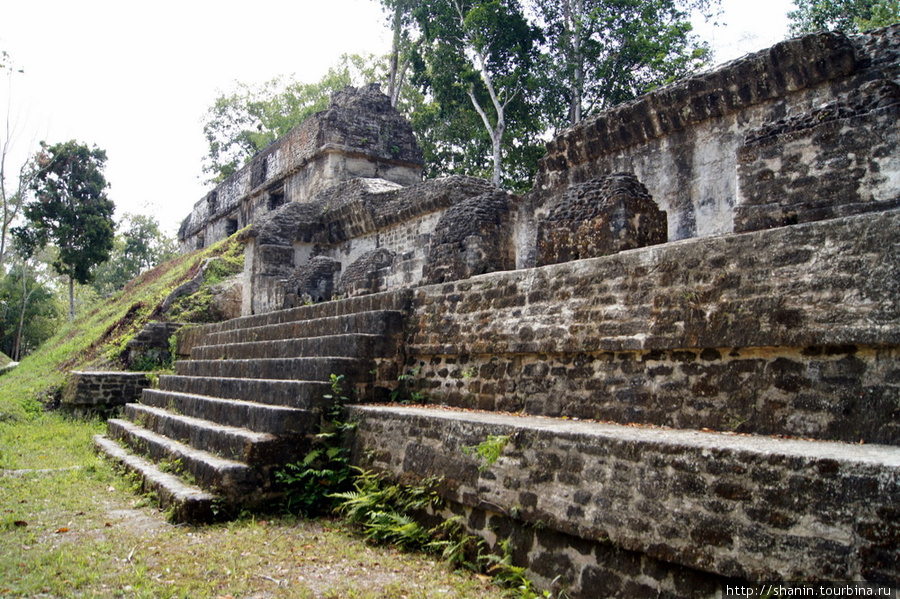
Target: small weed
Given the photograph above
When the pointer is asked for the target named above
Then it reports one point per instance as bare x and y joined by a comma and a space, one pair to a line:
406, 391
470, 373
488, 451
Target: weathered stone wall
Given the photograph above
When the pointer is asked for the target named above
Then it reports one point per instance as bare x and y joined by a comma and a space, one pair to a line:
773, 332
346, 224
747, 508
103, 392
855, 167
359, 135
683, 141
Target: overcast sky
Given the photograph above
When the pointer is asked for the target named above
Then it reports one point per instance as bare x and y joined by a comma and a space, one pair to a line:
136, 79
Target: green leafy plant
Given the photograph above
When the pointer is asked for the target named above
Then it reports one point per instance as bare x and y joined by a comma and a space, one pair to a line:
385, 510
311, 485
406, 391
488, 451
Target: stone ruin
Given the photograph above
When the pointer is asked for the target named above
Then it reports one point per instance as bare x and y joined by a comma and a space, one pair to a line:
687, 332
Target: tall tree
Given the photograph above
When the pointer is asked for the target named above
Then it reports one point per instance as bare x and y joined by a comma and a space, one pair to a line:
402, 46
849, 16
70, 210
480, 53
603, 52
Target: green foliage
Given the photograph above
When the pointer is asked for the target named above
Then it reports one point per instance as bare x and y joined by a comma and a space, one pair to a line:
311, 486
387, 512
246, 120
489, 450
476, 62
407, 389
384, 510
70, 209
139, 246
42, 312
198, 307
603, 52
850, 16
96, 338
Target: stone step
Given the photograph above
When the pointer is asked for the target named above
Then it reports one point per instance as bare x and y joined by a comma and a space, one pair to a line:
295, 394
374, 303
742, 506
254, 416
185, 502
299, 369
384, 323
232, 442
349, 346
237, 482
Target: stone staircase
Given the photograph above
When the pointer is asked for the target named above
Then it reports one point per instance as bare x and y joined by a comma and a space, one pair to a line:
209, 440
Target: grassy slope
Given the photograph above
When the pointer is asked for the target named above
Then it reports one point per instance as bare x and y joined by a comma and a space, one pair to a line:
95, 339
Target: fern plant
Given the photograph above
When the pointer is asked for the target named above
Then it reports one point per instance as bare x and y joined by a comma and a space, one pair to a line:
309, 485
385, 511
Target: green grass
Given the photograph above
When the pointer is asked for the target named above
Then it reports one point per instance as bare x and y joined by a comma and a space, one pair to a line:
96, 339
72, 527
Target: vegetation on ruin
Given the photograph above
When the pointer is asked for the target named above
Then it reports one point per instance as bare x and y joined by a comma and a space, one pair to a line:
850, 16
482, 82
98, 337
71, 527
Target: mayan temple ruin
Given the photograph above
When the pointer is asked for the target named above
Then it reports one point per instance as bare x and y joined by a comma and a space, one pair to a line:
687, 333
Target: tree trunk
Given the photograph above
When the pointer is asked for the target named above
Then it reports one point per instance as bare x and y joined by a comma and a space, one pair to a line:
394, 79
574, 16
26, 296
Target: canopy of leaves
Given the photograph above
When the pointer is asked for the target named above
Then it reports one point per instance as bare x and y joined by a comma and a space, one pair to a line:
40, 319
603, 52
243, 122
844, 15
471, 55
70, 209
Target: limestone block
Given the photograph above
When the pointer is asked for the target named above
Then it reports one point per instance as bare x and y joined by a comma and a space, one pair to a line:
363, 275
313, 280
839, 159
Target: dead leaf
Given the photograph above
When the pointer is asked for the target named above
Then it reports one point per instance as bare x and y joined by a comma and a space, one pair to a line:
61, 530
20, 523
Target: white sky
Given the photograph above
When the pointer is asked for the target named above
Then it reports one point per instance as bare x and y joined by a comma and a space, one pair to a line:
136, 79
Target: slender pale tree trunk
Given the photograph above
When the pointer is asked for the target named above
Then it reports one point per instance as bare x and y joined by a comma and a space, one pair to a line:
26, 297
393, 80
573, 11
495, 131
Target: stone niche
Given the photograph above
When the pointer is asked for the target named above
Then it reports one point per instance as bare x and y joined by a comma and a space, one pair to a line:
600, 217
313, 281
472, 238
